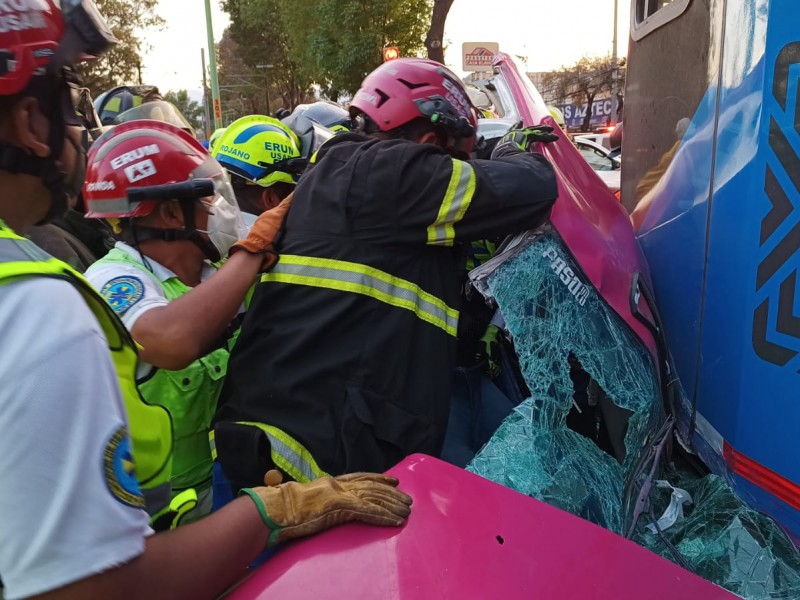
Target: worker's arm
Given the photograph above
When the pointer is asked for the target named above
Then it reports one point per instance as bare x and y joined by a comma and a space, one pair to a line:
72, 525
438, 200
173, 335
196, 561
202, 559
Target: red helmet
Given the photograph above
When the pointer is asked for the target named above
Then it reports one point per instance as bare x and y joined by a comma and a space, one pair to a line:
47, 35
402, 90
143, 154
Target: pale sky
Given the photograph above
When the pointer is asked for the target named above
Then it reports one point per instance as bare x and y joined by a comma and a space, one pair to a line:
550, 33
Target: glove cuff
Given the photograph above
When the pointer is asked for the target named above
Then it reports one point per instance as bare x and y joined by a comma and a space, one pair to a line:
504, 149
270, 257
275, 529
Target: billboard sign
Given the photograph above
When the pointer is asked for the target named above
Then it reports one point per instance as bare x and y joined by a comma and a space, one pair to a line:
477, 56
574, 114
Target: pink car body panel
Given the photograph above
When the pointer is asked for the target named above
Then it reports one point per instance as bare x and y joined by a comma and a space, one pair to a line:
470, 538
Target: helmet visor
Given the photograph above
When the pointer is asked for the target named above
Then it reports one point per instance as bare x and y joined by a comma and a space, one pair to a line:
87, 34
225, 201
158, 110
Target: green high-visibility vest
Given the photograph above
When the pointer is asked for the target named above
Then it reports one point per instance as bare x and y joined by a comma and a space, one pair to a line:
190, 395
150, 427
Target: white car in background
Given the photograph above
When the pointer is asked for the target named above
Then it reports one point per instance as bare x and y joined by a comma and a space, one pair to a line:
599, 158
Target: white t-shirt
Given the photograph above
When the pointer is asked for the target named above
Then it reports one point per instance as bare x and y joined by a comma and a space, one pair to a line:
67, 491
132, 292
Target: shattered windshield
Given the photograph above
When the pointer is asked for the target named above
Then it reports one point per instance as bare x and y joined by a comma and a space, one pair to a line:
590, 435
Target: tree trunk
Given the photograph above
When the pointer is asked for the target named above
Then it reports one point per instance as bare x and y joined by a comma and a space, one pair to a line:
434, 41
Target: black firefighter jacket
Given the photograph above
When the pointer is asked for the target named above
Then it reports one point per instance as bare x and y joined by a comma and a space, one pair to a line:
349, 343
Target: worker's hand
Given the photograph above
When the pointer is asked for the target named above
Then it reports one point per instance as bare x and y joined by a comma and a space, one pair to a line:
262, 235
489, 352
295, 510
518, 141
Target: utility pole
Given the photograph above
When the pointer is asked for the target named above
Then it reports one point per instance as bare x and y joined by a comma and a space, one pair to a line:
614, 69
206, 103
266, 84
212, 62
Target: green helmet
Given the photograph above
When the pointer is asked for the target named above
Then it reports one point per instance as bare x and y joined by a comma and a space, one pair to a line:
261, 150
218, 133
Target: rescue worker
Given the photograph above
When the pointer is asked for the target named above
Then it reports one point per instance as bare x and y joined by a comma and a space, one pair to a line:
114, 102
136, 102
71, 237
159, 278
346, 357
72, 524
558, 117
326, 113
215, 135
263, 157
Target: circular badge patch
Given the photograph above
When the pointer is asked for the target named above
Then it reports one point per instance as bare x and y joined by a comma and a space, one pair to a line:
119, 470
123, 292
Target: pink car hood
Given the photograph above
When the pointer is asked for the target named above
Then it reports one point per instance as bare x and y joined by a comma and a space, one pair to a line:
470, 538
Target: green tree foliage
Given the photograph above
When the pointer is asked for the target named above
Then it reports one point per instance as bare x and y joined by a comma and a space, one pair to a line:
330, 43
258, 36
348, 41
191, 109
243, 89
128, 19
582, 82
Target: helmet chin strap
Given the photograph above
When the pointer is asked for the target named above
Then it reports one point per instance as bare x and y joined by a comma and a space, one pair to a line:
17, 160
188, 234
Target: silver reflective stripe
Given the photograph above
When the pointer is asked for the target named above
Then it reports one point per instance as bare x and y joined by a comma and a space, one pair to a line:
291, 456
112, 205
288, 454
368, 281
455, 204
14, 250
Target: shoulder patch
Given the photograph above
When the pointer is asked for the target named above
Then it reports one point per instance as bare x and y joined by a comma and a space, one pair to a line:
119, 471
123, 292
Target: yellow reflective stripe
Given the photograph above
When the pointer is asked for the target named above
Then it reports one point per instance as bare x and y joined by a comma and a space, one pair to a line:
113, 105
24, 269
212, 444
368, 281
457, 199
9, 234
289, 455
182, 504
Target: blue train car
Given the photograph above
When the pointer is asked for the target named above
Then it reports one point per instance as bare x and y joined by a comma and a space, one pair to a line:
711, 175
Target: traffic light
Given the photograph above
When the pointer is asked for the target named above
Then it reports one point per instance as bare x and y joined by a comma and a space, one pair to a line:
390, 53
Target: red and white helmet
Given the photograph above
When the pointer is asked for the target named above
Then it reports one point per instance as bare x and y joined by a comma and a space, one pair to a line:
48, 35
143, 154
139, 164
405, 89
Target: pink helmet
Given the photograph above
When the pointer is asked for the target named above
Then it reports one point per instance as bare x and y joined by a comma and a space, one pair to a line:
402, 90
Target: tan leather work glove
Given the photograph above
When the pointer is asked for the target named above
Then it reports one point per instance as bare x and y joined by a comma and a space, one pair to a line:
295, 510
262, 234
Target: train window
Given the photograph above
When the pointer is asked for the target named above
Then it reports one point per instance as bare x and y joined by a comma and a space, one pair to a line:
649, 15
